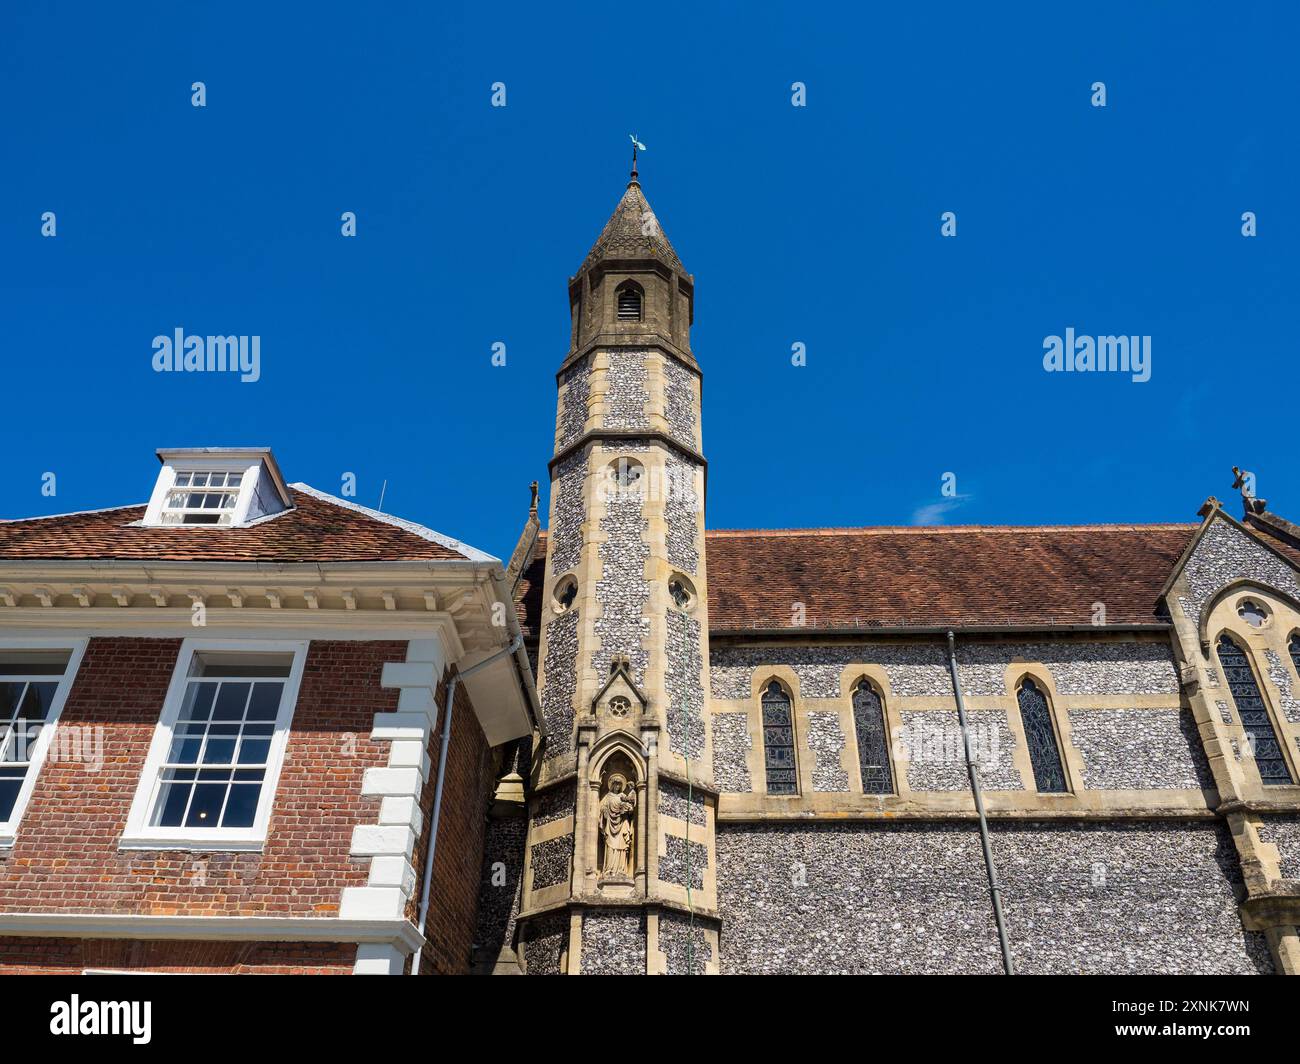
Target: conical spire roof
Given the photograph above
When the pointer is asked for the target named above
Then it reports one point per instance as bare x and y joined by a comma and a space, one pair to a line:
632, 232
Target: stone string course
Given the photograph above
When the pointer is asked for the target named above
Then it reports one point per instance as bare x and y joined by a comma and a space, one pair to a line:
550, 860
678, 854
912, 898
673, 802
1092, 667
675, 932
626, 397
1139, 749
731, 745
1284, 833
679, 403
561, 683
935, 738
1225, 554
685, 662
826, 742
545, 940
1281, 677
622, 590
613, 942
575, 387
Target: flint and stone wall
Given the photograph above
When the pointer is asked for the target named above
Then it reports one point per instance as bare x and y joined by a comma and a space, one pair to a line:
912, 898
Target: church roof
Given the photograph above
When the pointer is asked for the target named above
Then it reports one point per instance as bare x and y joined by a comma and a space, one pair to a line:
632, 232
982, 576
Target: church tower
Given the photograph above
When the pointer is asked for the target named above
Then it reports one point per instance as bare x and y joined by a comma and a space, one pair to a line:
619, 872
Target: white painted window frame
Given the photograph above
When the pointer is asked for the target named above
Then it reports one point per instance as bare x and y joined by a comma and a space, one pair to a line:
139, 833
77, 646
251, 473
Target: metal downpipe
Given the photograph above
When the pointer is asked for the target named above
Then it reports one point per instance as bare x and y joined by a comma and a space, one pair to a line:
973, 772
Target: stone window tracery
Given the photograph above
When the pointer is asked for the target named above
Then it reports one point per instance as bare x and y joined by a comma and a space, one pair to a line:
1262, 740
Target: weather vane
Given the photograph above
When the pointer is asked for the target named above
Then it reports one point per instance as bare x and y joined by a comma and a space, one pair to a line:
636, 146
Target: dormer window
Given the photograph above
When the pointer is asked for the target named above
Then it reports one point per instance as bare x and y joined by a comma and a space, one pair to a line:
202, 498
629, 303
216, 487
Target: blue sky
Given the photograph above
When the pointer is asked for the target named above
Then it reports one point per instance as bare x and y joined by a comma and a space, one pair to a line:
818, 225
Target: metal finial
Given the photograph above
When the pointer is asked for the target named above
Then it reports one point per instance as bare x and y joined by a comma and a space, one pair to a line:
636, 146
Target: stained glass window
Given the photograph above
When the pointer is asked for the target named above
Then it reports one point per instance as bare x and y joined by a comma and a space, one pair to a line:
1253, 712
1040, 737
873, 741
778, 741
1293, 645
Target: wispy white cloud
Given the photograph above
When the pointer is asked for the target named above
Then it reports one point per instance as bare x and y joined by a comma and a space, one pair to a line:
933, 513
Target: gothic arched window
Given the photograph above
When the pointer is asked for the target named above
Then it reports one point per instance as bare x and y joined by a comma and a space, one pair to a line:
629, 303
873, 740
778, 740
1293, 645
1251, 708
1040, 737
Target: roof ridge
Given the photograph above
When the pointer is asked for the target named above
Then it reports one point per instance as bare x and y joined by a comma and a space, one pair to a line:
464, 549
948, 529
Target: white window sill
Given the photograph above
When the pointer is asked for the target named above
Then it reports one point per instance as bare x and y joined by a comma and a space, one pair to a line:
208, 842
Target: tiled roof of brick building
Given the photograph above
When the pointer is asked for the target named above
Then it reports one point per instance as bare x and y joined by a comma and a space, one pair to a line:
319, 528
933, 577
628, 236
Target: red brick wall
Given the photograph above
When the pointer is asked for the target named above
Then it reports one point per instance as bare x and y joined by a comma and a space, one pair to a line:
454, 894
66, 856
68, 956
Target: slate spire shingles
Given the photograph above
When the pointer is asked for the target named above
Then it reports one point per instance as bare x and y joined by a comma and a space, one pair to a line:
633, 232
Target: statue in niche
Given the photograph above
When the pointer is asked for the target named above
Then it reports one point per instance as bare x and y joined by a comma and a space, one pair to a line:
617, 828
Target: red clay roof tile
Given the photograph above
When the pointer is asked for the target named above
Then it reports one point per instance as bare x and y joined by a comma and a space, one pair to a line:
315, 530
931, 577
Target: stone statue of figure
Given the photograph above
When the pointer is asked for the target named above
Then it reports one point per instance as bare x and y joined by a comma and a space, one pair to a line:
616, 827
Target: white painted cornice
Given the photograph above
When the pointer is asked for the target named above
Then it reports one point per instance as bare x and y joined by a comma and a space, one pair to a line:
212, 928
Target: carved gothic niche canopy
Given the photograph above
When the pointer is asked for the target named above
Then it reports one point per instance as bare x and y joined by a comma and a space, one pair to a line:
620, 701
616, 821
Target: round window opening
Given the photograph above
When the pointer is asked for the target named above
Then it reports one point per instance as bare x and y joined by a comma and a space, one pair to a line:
620, 706
681, 591
625, 475
566, 591
1252, 613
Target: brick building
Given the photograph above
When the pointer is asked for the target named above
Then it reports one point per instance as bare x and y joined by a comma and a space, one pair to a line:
754, 760
222, 714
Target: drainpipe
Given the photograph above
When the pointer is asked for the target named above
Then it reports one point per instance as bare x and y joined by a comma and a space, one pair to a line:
973, 771
515, 644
